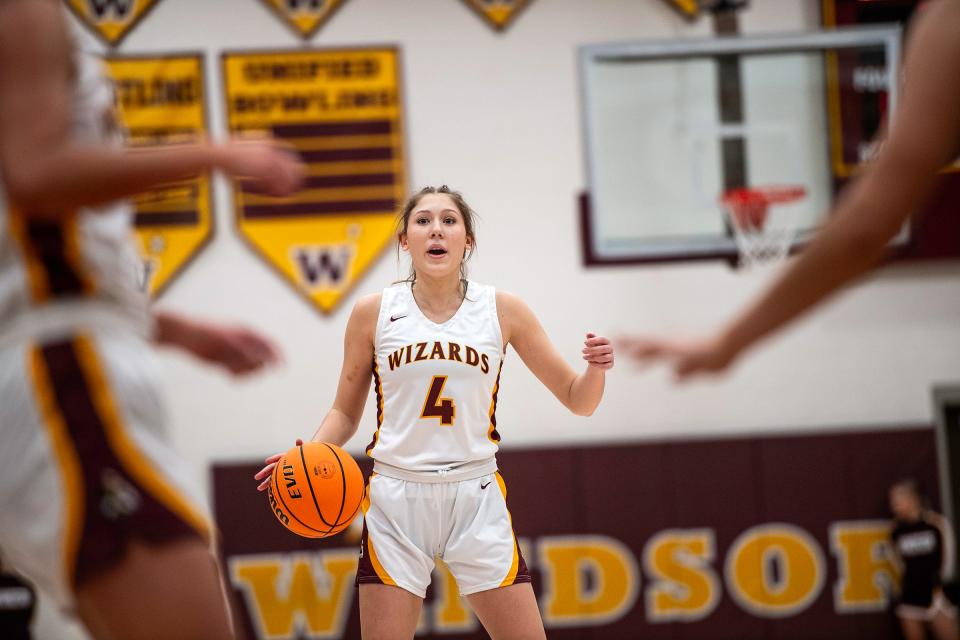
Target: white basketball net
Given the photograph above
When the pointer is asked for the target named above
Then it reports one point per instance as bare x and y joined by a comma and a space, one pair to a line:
760, 240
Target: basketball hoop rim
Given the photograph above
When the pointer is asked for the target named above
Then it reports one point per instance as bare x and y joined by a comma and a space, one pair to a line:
762, 196
745, 209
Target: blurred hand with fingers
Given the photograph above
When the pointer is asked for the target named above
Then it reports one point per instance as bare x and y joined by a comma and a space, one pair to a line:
688, 357
237, 349
272, 168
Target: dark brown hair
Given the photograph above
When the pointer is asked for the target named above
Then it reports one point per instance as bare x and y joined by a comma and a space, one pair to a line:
469, 218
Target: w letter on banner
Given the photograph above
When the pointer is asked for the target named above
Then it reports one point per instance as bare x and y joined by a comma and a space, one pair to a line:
499, 13
304, 16
341, 111
111, 20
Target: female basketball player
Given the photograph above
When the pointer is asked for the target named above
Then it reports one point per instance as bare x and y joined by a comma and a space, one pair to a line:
436, 343
97, 509
924, 137
923, 547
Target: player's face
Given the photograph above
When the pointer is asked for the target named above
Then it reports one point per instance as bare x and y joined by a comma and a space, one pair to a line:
903, 504
436, 236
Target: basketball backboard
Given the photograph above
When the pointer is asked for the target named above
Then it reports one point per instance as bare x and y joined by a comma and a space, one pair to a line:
670, 126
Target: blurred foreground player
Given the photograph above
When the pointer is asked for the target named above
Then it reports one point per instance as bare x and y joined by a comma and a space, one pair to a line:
98, 511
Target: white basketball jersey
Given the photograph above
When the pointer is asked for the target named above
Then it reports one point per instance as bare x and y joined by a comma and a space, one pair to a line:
80, 271
436, 384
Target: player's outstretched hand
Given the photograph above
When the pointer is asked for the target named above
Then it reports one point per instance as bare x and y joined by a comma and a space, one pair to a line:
688, 357
239, 350
264, 474
598, 352
270, 168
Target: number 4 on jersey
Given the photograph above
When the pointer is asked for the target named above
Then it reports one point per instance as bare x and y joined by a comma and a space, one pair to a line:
435, 406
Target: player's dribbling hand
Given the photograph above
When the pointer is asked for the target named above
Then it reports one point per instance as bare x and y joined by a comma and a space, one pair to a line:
264, 474
598, 352
270, 168
687, 358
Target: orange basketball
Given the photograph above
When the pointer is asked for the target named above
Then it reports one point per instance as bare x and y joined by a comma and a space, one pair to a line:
315, 490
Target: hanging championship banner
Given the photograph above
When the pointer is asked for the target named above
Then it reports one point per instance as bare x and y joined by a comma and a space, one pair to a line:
304, 16
498, 13
111, 20
341, 110
161, 100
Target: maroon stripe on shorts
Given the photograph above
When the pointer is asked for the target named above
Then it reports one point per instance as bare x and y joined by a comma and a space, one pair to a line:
523, 574
366, 574
116, 508
47, 237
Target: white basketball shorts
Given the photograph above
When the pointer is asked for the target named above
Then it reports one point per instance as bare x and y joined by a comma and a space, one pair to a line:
85, 466
407, 525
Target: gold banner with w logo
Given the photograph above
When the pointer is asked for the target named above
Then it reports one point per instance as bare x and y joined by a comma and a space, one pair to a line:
498, 13
305, 17
160, 99
341, 110
111, 20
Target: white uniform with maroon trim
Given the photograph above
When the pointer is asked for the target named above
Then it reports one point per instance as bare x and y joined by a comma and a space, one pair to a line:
85, 465
435, 491
81, 271
435, 384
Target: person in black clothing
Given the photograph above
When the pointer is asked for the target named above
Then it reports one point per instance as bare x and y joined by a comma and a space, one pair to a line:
922, 543
17, 603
